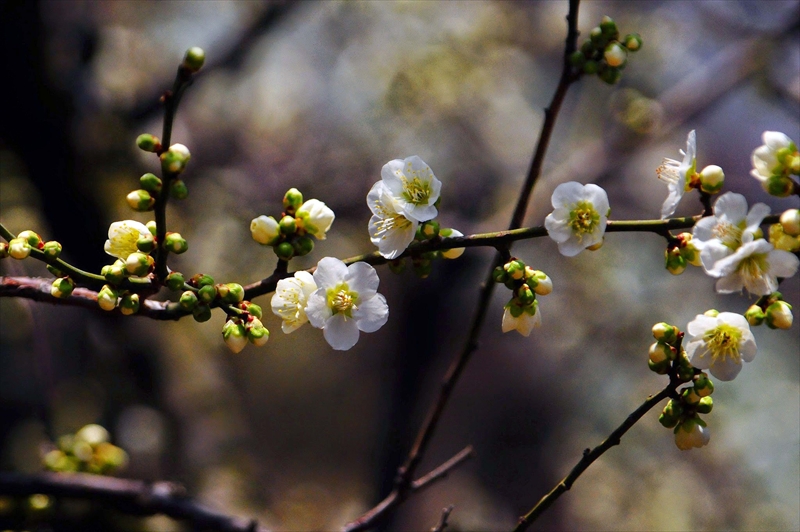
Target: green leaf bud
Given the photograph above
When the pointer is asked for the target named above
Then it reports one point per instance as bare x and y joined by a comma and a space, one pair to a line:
778, 185
610, 75
703, 385
429, 229
661, 367
292, 200
674, 261
615, 55
288, 225
62, 287
149, 143
194, 59
779, 315
284, 251
231, 293
711, 179
499, 275
173, 161
4, 250
705, 405
665, 332
754, 315
257, 334
19, 248
633, 42
252, 309
129, 303
525, 295
33, 239
303, 245
207, 293
178, 190
515, 269
577, 59
397, 265
660, 351
790, 222
591, 67
234, 334
146, 243
175, 243
151, 183
201, 313
609, 28
140, 200
188, 300
137, 264
175, 281
107, 298
52, 249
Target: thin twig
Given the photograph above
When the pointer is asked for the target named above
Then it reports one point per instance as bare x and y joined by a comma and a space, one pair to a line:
135, 497
443, 520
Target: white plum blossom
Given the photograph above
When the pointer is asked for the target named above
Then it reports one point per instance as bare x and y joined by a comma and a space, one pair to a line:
675, 174
413, 186
265, 230
755, 265
122, 238
580, 216
290, 300
524, 323
720, 344
315, 217
765, 157
389, 229
346, 301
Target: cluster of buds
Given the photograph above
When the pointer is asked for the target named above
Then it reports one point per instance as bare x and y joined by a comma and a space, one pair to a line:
667, 350
604, 53
173, 162
291, 236
680, 252
682, 413
772, 310
201, 292
522, 310
237, 331
87, 450
422, 263
785, 235
20, 248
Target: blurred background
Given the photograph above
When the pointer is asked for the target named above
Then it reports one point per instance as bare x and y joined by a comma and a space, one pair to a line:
318, 96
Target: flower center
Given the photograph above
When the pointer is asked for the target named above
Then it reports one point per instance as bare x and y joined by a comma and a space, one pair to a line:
391, 223
342, 300
416, 191
753, 267
669, 171
583, 218
727, 233
723, 342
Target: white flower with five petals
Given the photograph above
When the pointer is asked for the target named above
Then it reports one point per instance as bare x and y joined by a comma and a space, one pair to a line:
346, 302
580, 217
675, 174
755, 265
720, 344
291, 298
122, 238
414, 188
389, 229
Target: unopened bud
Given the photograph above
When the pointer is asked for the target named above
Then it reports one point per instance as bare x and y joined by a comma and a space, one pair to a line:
525, 295
665, 332
754, 315
33, 238
188, 300
18, 248
779, 315
778, 185
544, 285
515, 269
152, 227
790, 221
674, 261
176, 243
615, 55
292, 200
200, 279
62, 287
173, 161
129, 303
151, 183
660, 351
711, 179
194, 59
257, 334
52, 249
107, 298
137, 264
175, 281
252, 309
429, 229
703, 385
303, 246
234, 335
146, 243
4, 250
288, 225
140, 200
608, 27
284, 251
232, 293
265, 230
148, 142
178, 190
114, 273
207, 294
201, 313
632, 41
610, 75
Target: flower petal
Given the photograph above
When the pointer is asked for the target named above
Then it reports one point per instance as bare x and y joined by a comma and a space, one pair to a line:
340, 332
363, 279
330, 272
317, 309
372, 314
566, 194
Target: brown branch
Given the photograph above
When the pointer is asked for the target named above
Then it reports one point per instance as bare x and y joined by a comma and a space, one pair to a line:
135, 497
443, 520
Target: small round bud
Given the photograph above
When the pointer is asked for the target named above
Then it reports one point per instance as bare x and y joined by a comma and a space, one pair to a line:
674, 261
62, 287
500, 275
615, 55
597, 37
199, 280
93, 434
52, 249
711, 313
140, 200
175, 281
703, 385
779, 315
303, 246
114, 273
265, 230
148, 142
790, 222
4, 250
178, 190
18, 248
397, 265
660, 351
201, 313
234, 335
609, 27
137, 264
252, 309
107, 298
292, 200
33, 239
151, 183
544, 285
525, 295
705, 405
711, 179
685, 368
129, 303
662, 368
671, 414
173, 161
288, 225
778, 185
781, 240
515, 269
207, 294
689, 397
284, 251
587, 48
688, 249
176, 243
188, 300
610, 75
152, 227
257, 334
429, 229
591, 67
146, 243
633, 42
665, 332
194, 59
754, 315
231, 293
577, 59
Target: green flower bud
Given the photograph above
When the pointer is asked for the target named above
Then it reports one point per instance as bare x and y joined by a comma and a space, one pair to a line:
52, 249
152, 227
689, 397
62, 287
288, 225
33, 239
235, 336
754, 315
499, 275
397, 266
199, 280
703, 385
201, 313
515, 269
597, 37
665, 332
671, 414
188, 300
610, 75
175, 281
110, 457
178, 190
175, 243
140, 200
688, 250
146, 243
790, 222
587, 48
591, 67
711, 179
107, 298
705, 405
252, 309
151, 183
685, 368
615, 55
292, 200
303, 246
674, 261
633, 42
129, 303
429, 229
257, 334
207, 294
660, 351
231, 293
148, 142
4, 250
711, 313
779, 315
662, 368
577, 59
284, 251
194, 59
137, 264
114, 273
173, 161
525, 295
608, 27
19, 248
779, 185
